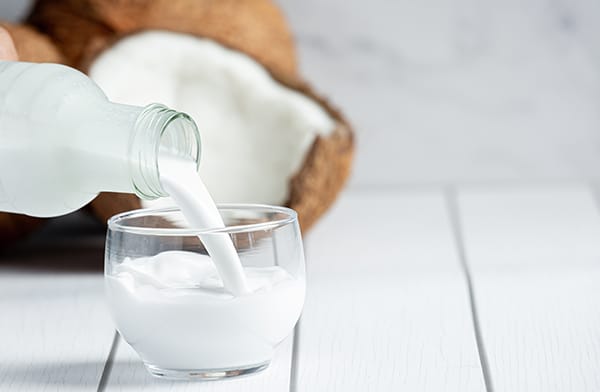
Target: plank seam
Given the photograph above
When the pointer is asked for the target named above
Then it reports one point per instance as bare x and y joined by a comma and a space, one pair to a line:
108, 365
457, 231
294, 365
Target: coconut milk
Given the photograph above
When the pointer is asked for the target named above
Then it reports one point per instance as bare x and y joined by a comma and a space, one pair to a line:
174, 310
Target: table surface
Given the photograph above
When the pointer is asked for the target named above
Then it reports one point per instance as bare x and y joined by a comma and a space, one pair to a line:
474, 288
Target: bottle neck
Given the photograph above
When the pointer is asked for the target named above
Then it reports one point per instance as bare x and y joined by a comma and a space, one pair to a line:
159, 130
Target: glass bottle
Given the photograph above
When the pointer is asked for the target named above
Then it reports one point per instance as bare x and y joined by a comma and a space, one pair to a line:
62, 142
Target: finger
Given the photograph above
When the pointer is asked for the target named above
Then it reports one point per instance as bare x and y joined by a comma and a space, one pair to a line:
7, 46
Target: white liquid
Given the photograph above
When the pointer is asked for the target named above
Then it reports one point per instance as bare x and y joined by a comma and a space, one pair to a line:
174, 310
180, 179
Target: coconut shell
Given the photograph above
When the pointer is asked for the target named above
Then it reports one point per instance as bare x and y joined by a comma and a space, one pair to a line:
34, 47
255, 27
108, 204
31, 45
326, 167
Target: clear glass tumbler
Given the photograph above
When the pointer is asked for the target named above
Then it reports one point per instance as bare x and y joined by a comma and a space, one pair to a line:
169, 303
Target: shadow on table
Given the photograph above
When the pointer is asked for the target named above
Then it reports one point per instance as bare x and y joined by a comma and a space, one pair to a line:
72, 243
75, 374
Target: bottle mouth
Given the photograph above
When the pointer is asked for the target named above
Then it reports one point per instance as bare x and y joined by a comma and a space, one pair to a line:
160, 130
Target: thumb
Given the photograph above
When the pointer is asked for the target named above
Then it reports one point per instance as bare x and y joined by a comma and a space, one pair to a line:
7, 46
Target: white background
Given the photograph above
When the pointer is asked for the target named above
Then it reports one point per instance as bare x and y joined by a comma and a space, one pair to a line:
455, 91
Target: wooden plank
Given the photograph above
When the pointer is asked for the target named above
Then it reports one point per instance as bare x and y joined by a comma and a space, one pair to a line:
128, 374
55, 333
387, 306
534, 256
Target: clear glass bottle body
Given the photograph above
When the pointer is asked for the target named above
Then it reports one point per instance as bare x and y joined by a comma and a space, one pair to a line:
62, 142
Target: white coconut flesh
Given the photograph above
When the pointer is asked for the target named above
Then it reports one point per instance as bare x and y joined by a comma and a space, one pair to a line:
255, 132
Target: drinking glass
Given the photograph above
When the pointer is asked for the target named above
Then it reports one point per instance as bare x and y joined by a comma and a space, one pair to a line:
184, 326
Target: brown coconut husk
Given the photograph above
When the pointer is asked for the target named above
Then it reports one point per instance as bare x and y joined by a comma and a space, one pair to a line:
83, 29
255, 27
34, 47
326, 167
31, 45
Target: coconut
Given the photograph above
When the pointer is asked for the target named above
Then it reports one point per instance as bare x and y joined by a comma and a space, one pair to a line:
31, 45
266, 137
255, 27
34, 47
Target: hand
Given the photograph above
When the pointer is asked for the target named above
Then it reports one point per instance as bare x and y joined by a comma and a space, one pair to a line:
7, 46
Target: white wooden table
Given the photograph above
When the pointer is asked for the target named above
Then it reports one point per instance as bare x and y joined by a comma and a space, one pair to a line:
450, 289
